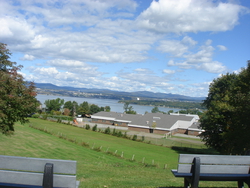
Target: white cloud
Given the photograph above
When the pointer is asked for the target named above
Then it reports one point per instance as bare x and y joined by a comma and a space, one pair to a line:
167, 71
189, 16
15, 30
212, 67
75, 67
74, 41
176, 48
27, 57
222, 48
200, 60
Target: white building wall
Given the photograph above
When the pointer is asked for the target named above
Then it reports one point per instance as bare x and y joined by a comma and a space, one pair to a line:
175, 126
184, 124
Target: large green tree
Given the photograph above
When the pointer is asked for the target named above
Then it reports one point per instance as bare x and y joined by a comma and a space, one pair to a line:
17, 97
54, 104
227, 120
84, 108
72, 106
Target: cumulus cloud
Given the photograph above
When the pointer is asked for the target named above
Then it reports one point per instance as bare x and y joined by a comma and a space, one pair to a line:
180, 16
86, 30
27, 57
176, 47
75, 67
222, 48
200, 60
15, 30
74, 40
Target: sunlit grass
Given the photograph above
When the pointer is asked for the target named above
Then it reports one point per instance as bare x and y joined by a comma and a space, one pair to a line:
98, 169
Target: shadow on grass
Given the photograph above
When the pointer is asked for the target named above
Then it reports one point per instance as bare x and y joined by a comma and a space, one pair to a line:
195, 150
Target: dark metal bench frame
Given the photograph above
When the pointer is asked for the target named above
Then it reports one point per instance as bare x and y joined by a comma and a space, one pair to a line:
217, 169
37, 172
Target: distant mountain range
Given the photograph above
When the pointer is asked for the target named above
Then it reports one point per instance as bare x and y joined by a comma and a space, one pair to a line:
140, 94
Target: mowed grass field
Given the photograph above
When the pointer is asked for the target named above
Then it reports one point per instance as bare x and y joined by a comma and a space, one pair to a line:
99, 168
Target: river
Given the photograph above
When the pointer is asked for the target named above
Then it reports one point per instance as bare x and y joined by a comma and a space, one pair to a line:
114, 105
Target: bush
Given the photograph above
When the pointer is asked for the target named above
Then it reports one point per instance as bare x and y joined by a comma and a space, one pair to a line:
125, 135
142, 138
114, 132
35, 116
134, 137
94, 128
87, 127
107, 130
119, 134
45, 116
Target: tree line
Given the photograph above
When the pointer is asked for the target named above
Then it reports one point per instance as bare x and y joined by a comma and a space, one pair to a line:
72, 108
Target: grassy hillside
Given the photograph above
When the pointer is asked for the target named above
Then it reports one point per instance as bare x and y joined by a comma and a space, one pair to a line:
97, 168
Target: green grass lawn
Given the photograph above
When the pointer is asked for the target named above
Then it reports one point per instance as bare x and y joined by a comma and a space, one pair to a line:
98, 169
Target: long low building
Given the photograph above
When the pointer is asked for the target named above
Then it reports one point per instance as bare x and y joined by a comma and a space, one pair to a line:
151, 122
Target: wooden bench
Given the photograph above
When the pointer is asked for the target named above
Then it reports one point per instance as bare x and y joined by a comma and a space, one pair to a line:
36, 172
194, 168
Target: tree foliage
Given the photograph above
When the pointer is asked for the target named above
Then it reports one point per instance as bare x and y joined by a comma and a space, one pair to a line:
94, 109
84, 108
72, 106
17, 97
226, 121
107, 108
155, 110
128, 109
54, 104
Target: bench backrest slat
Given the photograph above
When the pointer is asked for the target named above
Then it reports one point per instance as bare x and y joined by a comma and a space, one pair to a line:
215, 159
218, 169
36, 179
36, 164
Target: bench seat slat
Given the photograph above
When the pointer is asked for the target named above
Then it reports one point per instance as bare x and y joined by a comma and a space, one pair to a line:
36, 179
218, 169
36, 164
214, 177
215, 159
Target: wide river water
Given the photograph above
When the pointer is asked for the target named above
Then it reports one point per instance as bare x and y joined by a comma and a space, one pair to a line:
114, 105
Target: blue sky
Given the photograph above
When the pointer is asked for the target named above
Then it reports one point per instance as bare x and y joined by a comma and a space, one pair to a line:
168, 46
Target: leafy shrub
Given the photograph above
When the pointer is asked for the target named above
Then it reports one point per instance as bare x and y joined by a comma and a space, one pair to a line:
94, 128
35, 116
107, 130
114, 132
87, 127
142, 138
125, 135
119, 134
134, 137
45, 116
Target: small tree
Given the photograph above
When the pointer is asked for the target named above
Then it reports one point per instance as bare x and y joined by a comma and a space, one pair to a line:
107, 108
155, 110
17, 97
94, 109
94, 128
84, 108
54, 104
72, 106
107, 130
